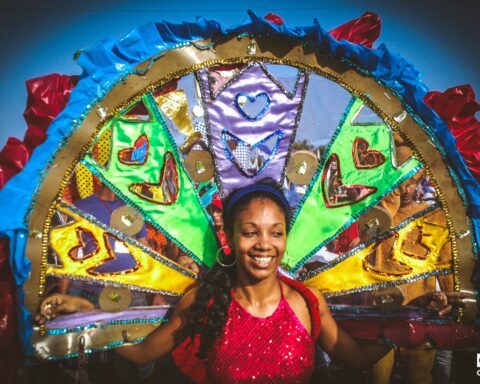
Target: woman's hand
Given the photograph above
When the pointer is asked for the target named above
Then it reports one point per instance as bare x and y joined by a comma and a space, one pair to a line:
59, 303
444, 302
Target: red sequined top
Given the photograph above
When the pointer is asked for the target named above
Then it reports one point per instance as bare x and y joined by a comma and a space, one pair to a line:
275, 349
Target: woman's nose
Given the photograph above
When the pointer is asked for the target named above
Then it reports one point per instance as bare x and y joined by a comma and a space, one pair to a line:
264, 242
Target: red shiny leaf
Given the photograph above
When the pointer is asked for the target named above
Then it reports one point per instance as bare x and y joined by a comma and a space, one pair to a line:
363, 30
457, 107
274, 18
10, 353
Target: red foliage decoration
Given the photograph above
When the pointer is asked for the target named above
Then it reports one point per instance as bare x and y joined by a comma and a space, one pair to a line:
363, 30
47, 96
457, 107
274, 18
9, 346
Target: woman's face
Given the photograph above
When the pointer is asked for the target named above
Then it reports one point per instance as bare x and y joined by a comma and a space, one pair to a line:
217, 216
259, 239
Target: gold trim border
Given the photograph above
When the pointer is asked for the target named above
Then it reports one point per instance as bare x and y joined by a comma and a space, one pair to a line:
92, 339
181, 61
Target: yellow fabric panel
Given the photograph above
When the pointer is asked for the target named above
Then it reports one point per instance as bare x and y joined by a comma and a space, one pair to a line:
148, 273
416, 249
103, 148
101, 152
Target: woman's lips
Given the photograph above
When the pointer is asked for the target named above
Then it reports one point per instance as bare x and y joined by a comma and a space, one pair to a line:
262, 261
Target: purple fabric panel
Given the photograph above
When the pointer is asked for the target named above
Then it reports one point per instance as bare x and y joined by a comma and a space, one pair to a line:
84, 319
223, 114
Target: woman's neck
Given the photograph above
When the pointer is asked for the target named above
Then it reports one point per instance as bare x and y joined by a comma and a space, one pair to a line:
257, 292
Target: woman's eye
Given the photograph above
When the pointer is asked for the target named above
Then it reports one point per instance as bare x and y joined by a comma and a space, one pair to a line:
249, 234
277, 234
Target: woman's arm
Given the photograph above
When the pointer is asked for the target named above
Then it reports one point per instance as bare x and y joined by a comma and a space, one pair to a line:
337, 343
162, 340
59, 303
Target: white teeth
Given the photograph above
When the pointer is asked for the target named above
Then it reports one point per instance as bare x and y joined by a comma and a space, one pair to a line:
263, 260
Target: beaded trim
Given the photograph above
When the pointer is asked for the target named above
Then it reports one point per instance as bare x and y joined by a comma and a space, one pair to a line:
384, 284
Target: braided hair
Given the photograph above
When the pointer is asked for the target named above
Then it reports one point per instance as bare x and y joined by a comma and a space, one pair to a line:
208, 314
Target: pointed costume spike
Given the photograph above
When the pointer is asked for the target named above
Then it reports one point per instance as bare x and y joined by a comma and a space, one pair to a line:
251, 107
342, 190
159, 187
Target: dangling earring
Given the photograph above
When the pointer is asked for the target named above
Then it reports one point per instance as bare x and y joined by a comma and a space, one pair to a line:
221, 262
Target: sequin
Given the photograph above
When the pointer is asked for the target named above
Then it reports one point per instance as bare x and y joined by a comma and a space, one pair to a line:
283, 351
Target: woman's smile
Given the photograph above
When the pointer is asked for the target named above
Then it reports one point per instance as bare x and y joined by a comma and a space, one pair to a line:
262, 261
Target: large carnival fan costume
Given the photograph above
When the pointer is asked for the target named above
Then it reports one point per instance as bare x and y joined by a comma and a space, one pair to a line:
170, 117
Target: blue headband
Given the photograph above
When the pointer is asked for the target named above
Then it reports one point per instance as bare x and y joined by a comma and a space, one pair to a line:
237, 195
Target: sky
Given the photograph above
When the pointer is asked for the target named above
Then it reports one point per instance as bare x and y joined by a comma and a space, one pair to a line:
38, 37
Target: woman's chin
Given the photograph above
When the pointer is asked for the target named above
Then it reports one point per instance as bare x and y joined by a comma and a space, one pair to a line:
260, 272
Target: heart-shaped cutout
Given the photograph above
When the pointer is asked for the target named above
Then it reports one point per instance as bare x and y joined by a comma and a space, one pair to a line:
164, 192
251, 159
87, 245
365, 158
120, 259
136, 155
413, 245
335, 193
253, 108
381, 260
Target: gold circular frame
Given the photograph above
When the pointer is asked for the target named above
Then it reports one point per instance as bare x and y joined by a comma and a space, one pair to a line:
181, 61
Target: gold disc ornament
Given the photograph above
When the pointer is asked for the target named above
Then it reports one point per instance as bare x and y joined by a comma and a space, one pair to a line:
301, 167
388, 299
114, 299
374, 221
127, 220
199, 165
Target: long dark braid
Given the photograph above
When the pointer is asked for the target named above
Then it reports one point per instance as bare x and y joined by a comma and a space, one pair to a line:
208, 314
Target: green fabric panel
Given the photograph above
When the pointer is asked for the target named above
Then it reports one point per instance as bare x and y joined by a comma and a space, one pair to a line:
316, 224
184, 220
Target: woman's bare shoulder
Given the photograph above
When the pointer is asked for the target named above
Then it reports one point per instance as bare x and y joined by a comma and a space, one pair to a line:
294, 297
